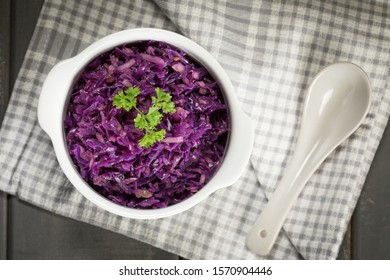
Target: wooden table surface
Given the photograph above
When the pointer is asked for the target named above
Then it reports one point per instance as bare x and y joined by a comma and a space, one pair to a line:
28, 232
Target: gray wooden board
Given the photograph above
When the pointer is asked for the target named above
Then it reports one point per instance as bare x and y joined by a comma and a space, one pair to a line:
3, 226
345, 248
5, 31
38, 234
371, 220
24, 17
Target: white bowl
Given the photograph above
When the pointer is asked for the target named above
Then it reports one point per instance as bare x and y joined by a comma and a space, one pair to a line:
53, 105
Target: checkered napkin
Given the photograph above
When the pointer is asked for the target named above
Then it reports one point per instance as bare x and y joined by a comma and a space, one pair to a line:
271, 51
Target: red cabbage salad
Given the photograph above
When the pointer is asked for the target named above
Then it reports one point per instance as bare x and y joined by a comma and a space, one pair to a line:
146, 125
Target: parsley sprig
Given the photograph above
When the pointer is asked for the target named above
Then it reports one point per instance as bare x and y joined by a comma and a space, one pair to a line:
146, 122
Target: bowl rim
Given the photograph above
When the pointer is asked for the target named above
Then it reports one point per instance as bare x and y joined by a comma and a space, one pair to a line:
73, 66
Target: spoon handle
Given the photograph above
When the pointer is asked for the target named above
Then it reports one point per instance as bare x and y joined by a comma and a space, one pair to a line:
265, 230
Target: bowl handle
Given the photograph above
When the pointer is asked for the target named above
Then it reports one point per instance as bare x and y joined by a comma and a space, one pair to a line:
240, 150
53, 95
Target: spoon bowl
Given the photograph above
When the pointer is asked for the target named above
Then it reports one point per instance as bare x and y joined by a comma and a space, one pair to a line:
337, 102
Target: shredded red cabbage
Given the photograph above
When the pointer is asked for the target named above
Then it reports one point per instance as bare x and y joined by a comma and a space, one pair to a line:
103, 141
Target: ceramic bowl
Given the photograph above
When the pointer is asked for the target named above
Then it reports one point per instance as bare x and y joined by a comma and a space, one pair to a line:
55, 95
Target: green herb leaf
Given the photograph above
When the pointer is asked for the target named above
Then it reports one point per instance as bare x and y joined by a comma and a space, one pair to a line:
169, 107
126, 100
153, 117
146, 122
163, 101
159, 135
146, 141
140, 122
162, 96
150, 138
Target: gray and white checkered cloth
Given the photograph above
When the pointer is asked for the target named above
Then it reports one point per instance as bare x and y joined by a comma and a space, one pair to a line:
271, 51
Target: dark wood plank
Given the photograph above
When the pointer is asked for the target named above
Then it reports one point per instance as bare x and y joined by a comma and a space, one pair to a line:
5, 39
371, 220
38, 234
11, 57
345, 248
24, 18
3, 226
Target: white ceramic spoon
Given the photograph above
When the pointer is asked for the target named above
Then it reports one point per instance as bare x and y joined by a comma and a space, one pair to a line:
337, 102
